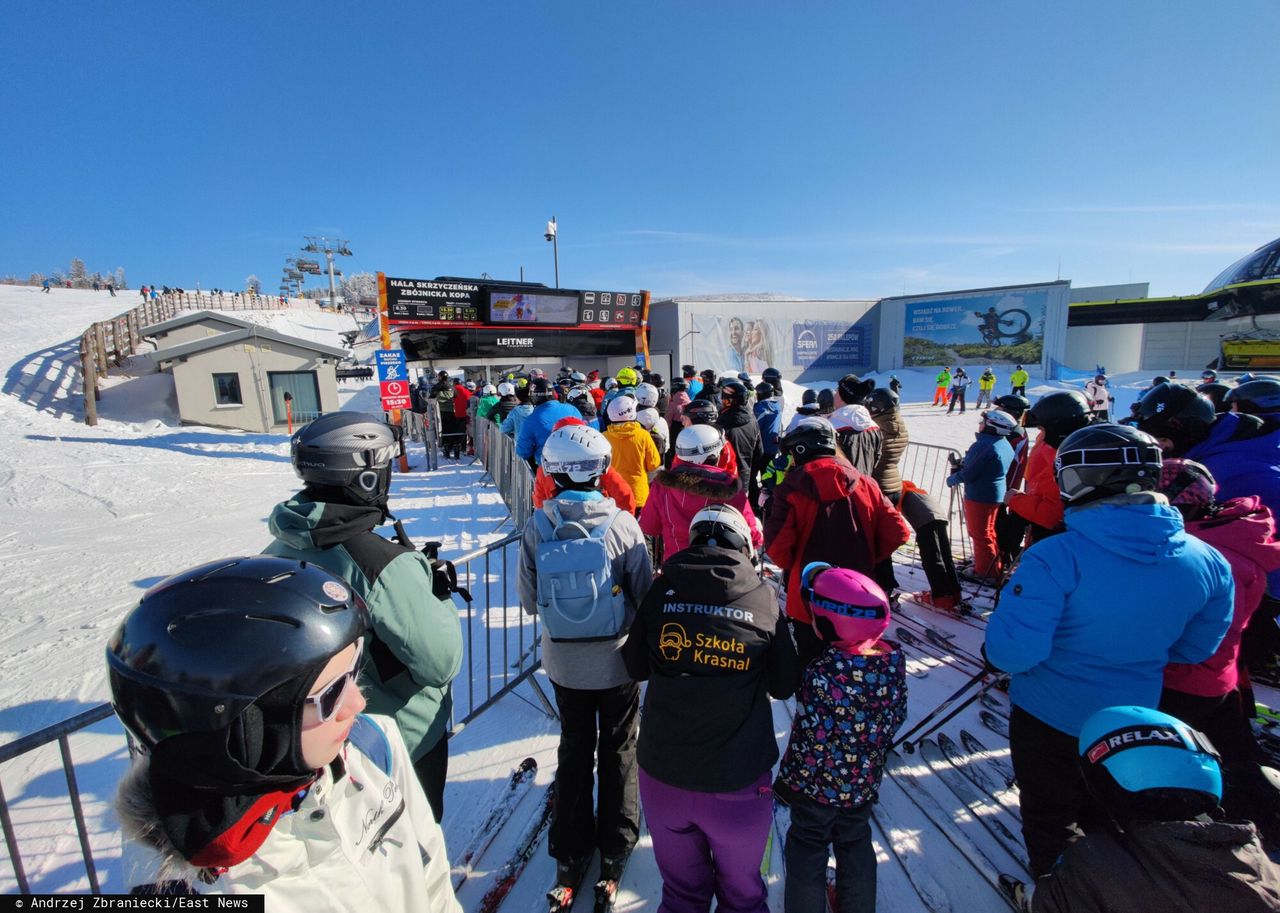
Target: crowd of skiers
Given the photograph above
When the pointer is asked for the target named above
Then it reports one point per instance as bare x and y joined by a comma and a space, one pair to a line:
1133, 565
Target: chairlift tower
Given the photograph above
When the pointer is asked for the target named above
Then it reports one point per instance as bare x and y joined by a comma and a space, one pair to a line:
330, 248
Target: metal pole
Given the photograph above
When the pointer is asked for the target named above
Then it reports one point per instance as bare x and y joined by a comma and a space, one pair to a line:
333, 294
555, 249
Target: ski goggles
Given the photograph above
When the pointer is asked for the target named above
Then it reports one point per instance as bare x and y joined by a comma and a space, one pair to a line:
329, 701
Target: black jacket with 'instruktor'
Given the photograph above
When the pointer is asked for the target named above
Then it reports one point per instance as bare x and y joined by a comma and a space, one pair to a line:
711, 642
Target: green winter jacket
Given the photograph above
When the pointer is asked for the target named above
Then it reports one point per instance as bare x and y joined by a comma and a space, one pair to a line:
415, 646
485, 408
944, 378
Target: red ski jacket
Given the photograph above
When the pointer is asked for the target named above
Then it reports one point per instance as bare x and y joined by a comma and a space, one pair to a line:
1041, 503
825, 510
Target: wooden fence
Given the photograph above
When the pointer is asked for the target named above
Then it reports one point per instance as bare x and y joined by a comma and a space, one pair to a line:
108, 343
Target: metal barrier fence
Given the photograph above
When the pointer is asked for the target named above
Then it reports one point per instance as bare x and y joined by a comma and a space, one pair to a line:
511, 475
927, 466
501, 651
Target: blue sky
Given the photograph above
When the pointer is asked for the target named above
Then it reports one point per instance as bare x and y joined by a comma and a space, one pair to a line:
844, 149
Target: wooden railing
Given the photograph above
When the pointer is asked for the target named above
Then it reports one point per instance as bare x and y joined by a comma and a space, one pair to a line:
107, 344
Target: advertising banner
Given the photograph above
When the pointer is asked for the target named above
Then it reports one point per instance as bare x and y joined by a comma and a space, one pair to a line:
1004, 326
736, 344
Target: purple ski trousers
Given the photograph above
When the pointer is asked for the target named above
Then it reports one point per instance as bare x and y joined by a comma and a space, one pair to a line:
709, 845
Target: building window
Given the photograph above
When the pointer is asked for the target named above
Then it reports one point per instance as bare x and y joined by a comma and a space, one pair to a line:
226, 389
303, 391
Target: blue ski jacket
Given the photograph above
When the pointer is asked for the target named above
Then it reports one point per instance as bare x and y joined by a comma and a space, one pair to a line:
515, 418
768, 414
1091, 617
985, 468
1244, 456
535, 429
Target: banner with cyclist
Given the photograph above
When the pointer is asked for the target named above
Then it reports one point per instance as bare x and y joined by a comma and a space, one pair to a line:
990, 326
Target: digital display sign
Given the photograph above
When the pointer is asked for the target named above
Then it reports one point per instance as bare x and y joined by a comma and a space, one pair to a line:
533, 308
432, 301
446, 302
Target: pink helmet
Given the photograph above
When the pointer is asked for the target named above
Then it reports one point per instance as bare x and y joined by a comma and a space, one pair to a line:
849, 609
1188, 485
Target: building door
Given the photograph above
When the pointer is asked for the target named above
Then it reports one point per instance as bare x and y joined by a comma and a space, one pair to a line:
304, 395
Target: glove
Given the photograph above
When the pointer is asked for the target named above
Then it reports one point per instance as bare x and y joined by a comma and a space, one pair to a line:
444, 576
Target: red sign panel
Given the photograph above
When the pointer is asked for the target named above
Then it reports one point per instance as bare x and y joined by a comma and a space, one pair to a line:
395, 394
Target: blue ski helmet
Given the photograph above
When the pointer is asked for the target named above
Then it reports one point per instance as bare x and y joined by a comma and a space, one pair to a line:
1141, 763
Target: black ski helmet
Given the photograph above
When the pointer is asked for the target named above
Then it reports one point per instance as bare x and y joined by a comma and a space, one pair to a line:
773, 376
679, 385
1059, 413
809, 396
733, 393
811, 438
1257, 397
1217, 393
347, 452
1106, 459
881, 401
1012, 403
764, 390
216, 662
826, 400
657, 379
701, 412
853, 389
540, 391
1177, 413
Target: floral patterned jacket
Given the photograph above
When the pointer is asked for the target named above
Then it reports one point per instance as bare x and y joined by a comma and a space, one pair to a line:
847, 711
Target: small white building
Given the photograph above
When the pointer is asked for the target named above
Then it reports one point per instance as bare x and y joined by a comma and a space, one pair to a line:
250, 377
190, 326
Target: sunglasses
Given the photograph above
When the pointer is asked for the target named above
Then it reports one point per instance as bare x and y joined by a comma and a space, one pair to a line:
329, 701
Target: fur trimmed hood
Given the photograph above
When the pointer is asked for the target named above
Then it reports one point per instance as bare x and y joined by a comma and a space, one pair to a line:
704, 481
140, 824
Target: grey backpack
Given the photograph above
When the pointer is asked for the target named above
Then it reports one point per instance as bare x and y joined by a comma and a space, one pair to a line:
578, 599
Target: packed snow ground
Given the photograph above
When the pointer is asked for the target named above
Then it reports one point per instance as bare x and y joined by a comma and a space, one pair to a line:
96, 515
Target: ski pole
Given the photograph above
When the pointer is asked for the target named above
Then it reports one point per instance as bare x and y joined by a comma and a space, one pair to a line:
941, 707
909, 747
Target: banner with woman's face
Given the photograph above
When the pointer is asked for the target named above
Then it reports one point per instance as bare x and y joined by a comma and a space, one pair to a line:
732, 344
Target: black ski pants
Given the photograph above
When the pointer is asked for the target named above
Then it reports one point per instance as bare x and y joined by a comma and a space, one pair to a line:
956, 396
432, 770
935, 557
1056, 804
603, 723
847, 831
1247, 793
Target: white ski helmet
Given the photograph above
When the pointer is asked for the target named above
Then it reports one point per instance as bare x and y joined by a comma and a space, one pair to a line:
721, 525
489, 390
506, 389
622, 408
646, 396
647, 418
1002, 423
700, 443
852, 418
579, 452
